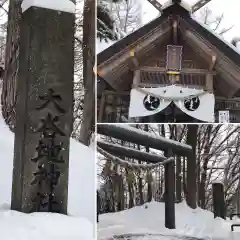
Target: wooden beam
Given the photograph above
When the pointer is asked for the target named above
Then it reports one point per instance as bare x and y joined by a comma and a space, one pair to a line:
213, 63
136, 77
156, 4
123, 59
229, 82
199, 46
101, 108
209, 83
169, 196
123, 151
153, 36
134, 135
184, 70
175, 32
199, 5
224, 66
135, 61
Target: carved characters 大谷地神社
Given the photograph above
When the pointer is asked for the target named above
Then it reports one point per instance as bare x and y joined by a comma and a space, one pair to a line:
48, 154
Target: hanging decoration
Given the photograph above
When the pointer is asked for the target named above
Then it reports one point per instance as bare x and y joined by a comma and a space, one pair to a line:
133, 166
192, 103
151, 103
197, 103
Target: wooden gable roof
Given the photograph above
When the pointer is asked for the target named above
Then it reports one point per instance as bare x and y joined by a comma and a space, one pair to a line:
195, 34
139, 34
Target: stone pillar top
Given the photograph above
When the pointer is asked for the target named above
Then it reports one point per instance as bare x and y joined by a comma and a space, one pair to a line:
58, 5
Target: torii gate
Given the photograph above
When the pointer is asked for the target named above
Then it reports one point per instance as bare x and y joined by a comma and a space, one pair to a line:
170, 147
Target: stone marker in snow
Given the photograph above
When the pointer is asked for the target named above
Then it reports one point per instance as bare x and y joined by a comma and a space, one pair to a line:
44, 106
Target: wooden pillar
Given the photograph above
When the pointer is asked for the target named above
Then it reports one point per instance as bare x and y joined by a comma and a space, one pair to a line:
169, 197
218, 200
191, 194
98, 205
136, 77
209, 83
178, 179
44, 108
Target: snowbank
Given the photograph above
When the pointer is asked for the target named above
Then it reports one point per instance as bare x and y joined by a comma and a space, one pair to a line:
58, 5
149, 219
43, 226
49, 226
81, 192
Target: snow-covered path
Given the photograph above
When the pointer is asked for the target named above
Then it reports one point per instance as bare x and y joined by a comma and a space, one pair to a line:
147, 223
151, 237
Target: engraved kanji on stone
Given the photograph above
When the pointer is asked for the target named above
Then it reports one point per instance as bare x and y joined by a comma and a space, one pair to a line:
50, 150
51, 97
53, 177
49, 125
42, 151
41, 200
40, 175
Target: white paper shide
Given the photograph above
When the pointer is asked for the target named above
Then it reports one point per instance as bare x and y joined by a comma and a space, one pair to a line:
195, 102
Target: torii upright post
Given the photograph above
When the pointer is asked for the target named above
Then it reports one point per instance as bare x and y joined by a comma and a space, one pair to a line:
44, 106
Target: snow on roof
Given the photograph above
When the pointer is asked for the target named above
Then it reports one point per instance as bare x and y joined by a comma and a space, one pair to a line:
183, 3
217, 36
102, 45
58, 5
217, 181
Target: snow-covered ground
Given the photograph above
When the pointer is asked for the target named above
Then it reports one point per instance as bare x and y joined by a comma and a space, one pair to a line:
79, 225
149, 219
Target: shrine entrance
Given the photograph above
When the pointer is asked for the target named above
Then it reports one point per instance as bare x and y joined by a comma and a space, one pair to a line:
171, 149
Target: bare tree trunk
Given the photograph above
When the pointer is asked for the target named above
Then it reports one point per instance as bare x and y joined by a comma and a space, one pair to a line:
191, 167
120, 193
184, 176
130, 177
88, 74
131, 201
178, 180
140, 180
202, 197
140, 185
149, 190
